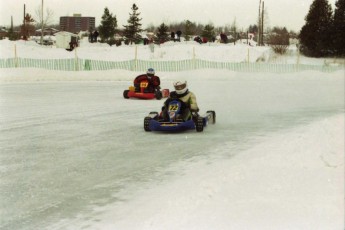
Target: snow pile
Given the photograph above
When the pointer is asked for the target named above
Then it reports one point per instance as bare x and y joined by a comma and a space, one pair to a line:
292, 180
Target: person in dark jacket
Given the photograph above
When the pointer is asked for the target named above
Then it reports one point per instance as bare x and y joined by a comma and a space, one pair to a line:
95, 35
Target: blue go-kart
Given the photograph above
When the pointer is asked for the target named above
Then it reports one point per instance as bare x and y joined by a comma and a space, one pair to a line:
174, 122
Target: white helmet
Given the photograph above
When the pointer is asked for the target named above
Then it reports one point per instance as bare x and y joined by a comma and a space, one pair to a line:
180, 87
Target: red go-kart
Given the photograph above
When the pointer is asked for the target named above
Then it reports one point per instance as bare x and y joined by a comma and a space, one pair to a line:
143, 92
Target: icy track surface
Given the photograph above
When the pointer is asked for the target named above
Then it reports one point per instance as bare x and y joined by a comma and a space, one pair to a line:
74, 155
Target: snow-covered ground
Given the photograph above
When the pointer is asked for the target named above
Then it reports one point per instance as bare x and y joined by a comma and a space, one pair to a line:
74, 154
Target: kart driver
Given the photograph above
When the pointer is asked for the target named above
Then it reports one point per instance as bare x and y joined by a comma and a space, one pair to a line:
189, 107
153, 81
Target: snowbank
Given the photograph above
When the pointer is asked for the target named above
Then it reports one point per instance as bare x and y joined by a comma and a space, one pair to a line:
304, 192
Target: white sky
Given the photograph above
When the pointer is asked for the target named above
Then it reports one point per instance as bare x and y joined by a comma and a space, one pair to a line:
289, 13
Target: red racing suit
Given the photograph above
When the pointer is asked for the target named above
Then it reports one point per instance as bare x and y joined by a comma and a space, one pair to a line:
154, 83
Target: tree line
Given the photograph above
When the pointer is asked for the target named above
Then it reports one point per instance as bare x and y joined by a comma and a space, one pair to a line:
132, 30
322, 35
324, 31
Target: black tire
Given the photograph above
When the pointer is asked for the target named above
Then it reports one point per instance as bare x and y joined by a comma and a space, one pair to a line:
125, 94
158, 95
199, 125
214, 116
147, 123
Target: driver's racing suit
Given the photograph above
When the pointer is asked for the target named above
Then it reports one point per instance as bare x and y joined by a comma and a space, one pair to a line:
188, 106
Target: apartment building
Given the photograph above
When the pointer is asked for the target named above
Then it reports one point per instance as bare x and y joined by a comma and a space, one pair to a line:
77, 23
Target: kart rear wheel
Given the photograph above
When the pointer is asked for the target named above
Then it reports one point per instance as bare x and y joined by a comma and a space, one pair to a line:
158, 95
147, 123
199, 125
125, 94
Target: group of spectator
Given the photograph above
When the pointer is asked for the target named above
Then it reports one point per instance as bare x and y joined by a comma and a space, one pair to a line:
223, 38
93, 36
176, 37
201, 40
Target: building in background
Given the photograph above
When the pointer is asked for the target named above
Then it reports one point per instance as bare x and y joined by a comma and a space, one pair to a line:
77, 23
3, 32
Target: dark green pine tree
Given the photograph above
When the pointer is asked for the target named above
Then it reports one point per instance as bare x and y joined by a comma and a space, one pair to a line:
188, 30
315, 34
12, 36
162, 35
133, 29
208, 32
253, 29
108, 26
339, 28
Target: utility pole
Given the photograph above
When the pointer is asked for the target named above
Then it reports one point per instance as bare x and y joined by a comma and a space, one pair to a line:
259, 24
24, 29
262, 23
42, 24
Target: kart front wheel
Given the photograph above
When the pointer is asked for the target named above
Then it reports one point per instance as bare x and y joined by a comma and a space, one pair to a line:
158, 95
199, 125
147, 123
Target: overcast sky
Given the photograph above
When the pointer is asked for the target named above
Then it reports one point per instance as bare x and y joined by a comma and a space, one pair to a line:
288, 13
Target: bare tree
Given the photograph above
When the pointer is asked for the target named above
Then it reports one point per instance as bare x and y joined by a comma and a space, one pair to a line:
259, 25
233, 30
279, 40
42, 20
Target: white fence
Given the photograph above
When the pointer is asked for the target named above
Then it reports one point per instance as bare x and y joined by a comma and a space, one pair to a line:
77, 64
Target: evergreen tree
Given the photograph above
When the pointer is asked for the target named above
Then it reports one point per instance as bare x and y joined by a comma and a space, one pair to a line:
208, 32
12, 36
188, 30
162, 35
315, 34
339, 28
107, 28
253, 29
133, 29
